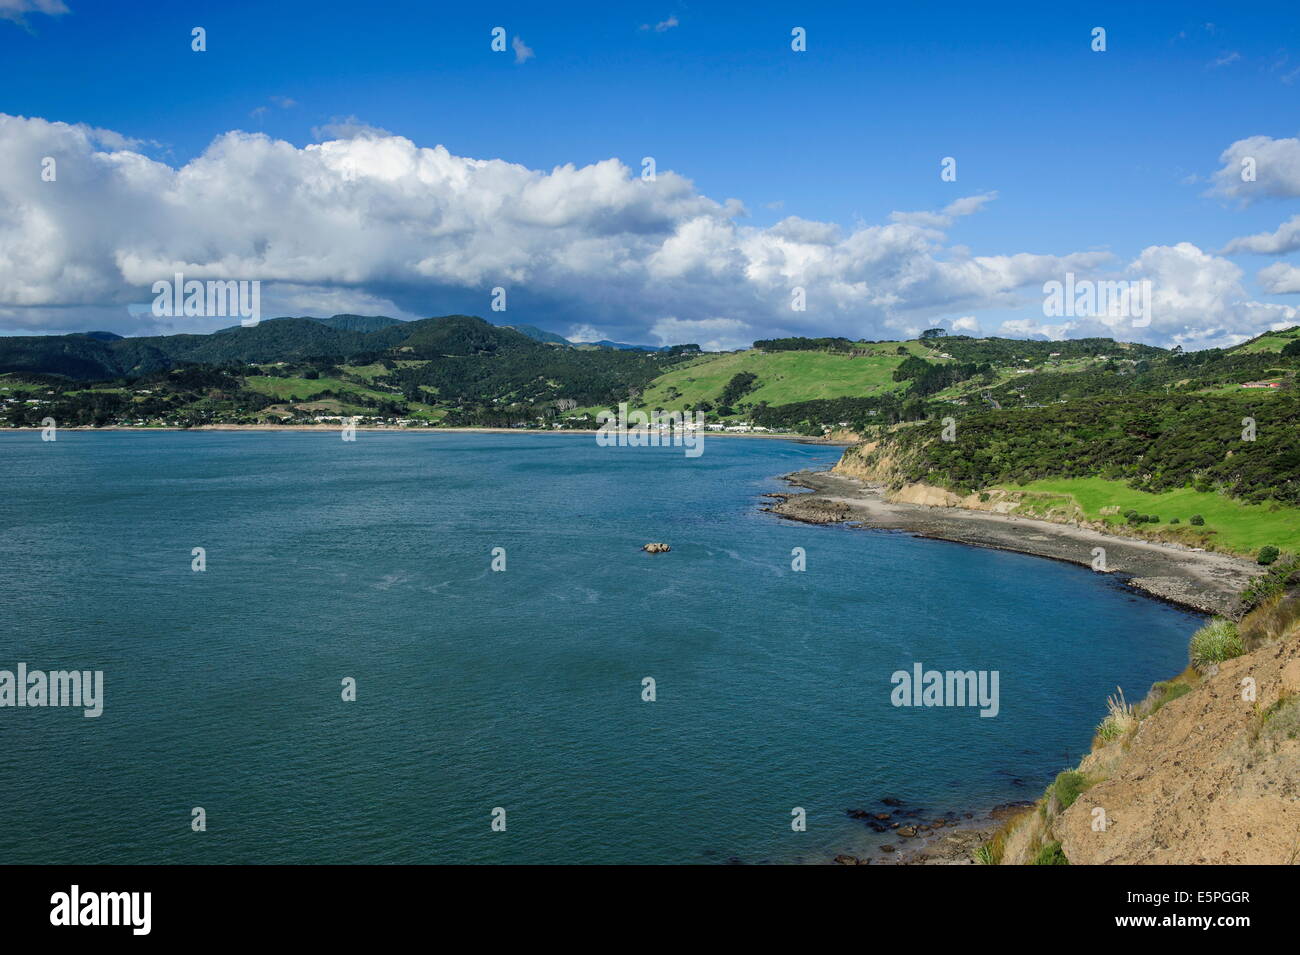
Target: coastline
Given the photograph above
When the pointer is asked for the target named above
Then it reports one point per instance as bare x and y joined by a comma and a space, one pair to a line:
1203, 581
922, 837
317, 428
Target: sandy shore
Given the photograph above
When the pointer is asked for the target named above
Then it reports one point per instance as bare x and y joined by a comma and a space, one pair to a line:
710, 435
1199, 580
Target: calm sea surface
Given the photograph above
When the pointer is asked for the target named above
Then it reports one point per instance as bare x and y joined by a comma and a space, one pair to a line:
519, 689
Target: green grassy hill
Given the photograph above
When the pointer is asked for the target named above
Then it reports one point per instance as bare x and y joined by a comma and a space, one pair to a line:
783, 378
1269, 341
462, 370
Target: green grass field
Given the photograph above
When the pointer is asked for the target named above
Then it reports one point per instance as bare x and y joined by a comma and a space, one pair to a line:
1236, 526
376, 369
304, 389
783, 377
15, 385
1273, 341
366, 372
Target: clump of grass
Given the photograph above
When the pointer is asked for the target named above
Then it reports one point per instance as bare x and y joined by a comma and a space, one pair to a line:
1068, 787
992, 851
1051, 854
1006, 839
1275, 707
1278, 720
1166, 692
1119, 721
1215, 642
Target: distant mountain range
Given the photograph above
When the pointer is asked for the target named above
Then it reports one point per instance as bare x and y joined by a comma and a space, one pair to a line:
99, 355
551, 338
371, 323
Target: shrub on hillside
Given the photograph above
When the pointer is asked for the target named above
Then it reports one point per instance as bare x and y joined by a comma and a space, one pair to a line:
1282, 575
1067, 788
1215, 642
1051, 854
1197, 520
1266, 555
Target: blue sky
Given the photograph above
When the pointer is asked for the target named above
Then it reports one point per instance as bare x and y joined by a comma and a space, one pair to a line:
1085, 151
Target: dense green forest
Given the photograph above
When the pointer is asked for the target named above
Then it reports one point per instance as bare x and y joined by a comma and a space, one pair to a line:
1247, 446
457, 370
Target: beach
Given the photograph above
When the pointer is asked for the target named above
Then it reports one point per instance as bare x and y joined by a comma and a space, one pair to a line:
378, 429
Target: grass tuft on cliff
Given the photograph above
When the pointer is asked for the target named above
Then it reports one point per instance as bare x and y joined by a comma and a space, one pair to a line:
1215, 642
1051, 854
1068, 786
1120, 719
1164, 692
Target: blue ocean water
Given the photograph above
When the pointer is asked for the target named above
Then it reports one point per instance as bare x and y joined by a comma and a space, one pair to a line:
518, 689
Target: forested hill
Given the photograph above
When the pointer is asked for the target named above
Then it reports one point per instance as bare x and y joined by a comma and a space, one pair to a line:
1247, 445
456, 368
462, 370
100, 355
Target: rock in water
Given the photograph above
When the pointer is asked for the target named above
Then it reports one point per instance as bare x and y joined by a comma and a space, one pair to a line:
656, 548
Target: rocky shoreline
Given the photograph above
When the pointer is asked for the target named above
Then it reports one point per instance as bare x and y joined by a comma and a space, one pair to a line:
920, 837
1199, 580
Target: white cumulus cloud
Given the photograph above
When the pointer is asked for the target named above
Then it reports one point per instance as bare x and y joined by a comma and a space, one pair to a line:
1273, 163
1286, 238
1279, 278
369, 221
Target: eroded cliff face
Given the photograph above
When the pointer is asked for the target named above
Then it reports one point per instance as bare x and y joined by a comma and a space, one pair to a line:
867, 462
842, 436
1211, 777
877, 463
1206, 770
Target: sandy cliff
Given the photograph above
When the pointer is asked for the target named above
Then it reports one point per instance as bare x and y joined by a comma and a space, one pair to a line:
1205, 771
1209, 778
